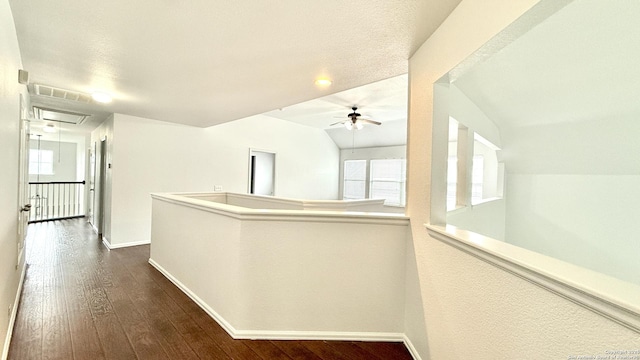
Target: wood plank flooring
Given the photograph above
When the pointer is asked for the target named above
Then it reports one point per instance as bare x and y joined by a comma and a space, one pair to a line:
81, 301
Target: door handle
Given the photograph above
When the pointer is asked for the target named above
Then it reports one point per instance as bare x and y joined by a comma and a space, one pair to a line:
27, 207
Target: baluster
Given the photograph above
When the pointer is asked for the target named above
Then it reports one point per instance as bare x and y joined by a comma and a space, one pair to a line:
51, 197
64, 200
73, 201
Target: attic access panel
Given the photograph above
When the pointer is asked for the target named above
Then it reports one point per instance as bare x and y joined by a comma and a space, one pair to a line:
61, 116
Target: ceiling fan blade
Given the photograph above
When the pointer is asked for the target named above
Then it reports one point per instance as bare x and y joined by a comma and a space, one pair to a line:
340, 122
369, 121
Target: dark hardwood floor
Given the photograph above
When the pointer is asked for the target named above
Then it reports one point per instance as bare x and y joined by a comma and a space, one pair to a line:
81, 301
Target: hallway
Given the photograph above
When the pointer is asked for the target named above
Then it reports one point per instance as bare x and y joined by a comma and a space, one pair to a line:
82, 301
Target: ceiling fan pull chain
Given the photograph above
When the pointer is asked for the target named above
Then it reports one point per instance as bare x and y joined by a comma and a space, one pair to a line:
353, 141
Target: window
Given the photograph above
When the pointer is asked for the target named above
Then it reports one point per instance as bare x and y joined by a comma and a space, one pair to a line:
40, 162
387, 181
477, 178
355, 176
375, 179
452, 182
487, 172
477, 169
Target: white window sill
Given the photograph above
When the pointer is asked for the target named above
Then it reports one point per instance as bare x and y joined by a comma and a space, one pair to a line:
605, 295
484, 201
457, 209
462, 208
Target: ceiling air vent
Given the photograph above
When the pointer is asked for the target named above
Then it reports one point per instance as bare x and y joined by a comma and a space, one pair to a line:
61, 116
50, 91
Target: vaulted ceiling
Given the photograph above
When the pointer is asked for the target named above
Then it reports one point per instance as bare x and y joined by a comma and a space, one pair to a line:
579, 64
205, 62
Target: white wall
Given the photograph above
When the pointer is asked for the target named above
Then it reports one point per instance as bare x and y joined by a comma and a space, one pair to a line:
573, 193
154, 156
103, 132
470, 115
469, 307
487, 218
65, 160
10, 92
306, 158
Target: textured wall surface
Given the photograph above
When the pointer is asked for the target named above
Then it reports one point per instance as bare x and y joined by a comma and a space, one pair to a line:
9, 134
293, 275
155, 156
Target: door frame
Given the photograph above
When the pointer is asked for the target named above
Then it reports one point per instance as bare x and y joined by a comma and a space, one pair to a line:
23, 181
101, 171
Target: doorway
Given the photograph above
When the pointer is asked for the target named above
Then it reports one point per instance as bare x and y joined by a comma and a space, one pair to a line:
262, 170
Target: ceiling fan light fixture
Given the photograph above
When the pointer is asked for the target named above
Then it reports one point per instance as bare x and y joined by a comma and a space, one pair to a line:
359, 125
348, 125
101, 97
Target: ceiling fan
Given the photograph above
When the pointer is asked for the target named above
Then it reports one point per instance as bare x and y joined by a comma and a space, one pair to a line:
354, 121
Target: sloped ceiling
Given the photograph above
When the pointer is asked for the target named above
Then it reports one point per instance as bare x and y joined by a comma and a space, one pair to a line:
206, 62
384, 101
579, 64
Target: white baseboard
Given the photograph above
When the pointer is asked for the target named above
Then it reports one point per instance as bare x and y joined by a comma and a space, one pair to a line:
219, 319
317, 335
123, 245
106, 243
279, 335
14, 313
412, 350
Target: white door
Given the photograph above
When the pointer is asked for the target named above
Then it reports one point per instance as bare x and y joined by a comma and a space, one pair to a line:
23, 182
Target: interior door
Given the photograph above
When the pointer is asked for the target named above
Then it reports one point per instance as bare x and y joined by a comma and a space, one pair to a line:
23, 182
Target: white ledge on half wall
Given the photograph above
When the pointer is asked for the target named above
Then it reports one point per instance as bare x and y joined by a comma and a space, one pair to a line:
610, 297
271, 208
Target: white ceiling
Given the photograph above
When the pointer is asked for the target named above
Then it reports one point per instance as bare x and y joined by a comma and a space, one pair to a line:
206, 62
580, 63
